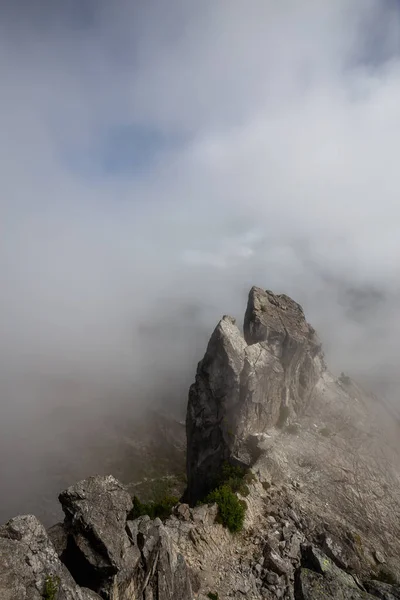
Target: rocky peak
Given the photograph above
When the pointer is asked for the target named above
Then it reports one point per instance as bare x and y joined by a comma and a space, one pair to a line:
276, 319
247, 384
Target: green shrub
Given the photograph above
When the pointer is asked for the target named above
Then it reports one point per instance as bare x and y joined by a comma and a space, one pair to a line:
161, 509
231, 510
229, 471
213, 596
235, 477
51, 586
231, 480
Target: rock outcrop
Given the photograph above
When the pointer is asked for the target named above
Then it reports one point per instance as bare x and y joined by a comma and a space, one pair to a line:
245, 385
116, 556
30, 568
325, 452
278, 324
98, 552
285, 551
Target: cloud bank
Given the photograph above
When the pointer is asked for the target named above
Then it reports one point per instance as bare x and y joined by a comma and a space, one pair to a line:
157, 159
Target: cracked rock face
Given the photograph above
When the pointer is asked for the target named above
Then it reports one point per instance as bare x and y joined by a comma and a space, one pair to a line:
245, 385
29, 564
118, 558
99, 552
96, 553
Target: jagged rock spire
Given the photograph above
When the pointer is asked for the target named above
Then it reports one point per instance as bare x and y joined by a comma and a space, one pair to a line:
246, 384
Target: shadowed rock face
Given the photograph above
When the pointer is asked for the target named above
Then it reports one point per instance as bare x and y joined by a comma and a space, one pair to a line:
214, 401
30, 567
119, 558
98, 552
245, 385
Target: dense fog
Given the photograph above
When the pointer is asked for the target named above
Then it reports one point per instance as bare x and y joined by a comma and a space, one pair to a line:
158, 159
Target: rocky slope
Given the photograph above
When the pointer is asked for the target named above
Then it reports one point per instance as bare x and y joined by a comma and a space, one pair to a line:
323, 512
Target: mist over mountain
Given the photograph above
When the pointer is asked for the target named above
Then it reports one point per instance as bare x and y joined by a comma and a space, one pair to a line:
157, 160
291, 487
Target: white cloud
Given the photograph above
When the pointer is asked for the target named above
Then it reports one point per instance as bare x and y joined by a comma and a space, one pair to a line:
288, 122
282, 172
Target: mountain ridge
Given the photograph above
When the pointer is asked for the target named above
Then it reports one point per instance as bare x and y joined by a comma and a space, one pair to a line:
322, 512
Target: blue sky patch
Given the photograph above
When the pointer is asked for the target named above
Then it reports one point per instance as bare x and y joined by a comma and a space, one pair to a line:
129, 150
380, 35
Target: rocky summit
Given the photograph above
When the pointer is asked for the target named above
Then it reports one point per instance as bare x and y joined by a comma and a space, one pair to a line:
248, 383
293, 489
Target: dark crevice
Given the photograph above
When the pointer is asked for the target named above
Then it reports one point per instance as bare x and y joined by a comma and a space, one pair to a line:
298, 593
84, 574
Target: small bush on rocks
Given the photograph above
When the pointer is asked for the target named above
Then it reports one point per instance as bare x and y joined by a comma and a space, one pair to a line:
231, 510
51, 585
235, 477
231, 480
161, 509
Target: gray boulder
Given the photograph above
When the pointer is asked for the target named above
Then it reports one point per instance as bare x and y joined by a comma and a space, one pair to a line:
314, 558
29, 565
320, 577
384, 591
99, 553
340, 552
314, 586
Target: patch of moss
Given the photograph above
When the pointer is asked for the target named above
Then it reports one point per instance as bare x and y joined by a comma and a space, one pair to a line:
357, 540
51, 587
